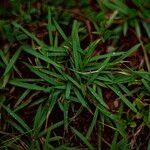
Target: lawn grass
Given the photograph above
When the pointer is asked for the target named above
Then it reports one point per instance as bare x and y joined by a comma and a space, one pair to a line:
75, 75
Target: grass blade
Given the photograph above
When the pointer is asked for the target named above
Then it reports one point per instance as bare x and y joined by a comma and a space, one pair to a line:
123, 98
31, 51
93, 123
76, 45
128, 53
60, 30
32, 36
17, 118
98, 98
42, 75
147, 28
28, 86
68, 90
73, 81
12, 61
81, 99
83, 139
50, 27
146, 84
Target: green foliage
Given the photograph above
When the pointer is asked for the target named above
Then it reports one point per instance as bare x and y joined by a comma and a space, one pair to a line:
48, 81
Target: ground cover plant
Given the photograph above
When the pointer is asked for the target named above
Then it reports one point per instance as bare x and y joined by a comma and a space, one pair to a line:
75, 75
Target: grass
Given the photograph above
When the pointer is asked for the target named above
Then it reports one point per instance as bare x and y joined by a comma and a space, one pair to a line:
69, 84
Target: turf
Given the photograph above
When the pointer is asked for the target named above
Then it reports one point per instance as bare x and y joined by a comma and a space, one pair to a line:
74, 75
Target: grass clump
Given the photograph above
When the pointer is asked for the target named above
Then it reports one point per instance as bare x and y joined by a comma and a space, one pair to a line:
75, 76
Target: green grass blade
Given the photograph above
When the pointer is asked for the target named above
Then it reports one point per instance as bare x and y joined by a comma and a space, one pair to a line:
28, 85
93, 123
108, 55
83, 139
60, 30
51, 127
68, 90
32, 36
128, 53
147, 28
76, 45
52, 101
25, 93
98, 98
16, 126
114, 142
146, 84
137, 29
116, 5
126, 90
81, 99
102, 66
12, 61
3, 57
123, 98
73, 81
17, 118
39, 119
31, 51
42, 75
50, 27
